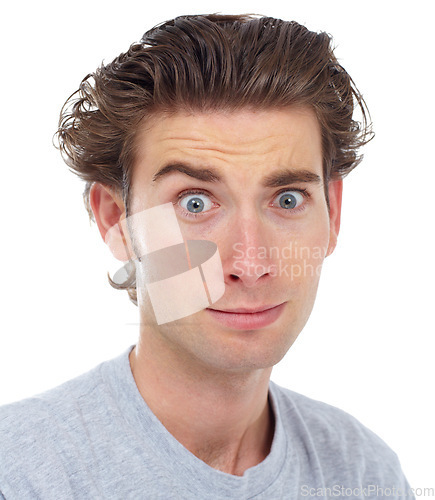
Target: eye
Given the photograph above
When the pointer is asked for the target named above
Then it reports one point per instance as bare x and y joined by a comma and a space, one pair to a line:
195, 202
291, 199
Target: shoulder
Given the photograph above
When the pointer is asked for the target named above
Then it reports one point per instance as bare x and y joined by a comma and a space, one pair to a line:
54, 402
328, 422
37, 433
336, 438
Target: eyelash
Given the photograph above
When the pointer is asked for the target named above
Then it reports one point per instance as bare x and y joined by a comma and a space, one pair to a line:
304, 192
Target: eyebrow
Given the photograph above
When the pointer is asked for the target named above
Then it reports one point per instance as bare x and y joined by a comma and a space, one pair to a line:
276, 179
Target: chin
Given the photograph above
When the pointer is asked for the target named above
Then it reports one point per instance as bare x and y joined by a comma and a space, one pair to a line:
239, 350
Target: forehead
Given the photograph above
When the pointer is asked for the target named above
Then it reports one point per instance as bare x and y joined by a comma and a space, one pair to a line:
253, 141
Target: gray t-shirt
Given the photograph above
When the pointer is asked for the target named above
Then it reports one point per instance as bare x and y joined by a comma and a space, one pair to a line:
94, 437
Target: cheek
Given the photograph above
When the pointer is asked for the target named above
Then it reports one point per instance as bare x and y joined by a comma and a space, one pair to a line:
302, 253
315, 243
316, 234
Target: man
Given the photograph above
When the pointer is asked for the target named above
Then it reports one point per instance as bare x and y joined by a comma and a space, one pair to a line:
214, 152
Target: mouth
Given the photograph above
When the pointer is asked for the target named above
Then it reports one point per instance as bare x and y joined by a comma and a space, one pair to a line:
247, 319
247, 310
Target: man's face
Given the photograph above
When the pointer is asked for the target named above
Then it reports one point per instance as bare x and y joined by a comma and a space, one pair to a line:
267, 214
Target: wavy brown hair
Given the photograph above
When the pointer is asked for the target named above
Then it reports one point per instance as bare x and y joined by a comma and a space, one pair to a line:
206, 63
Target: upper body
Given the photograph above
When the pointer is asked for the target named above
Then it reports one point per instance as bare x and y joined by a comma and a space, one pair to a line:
95, 437
214, 153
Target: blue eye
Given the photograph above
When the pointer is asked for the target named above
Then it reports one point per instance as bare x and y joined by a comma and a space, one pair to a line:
290, 199
196, 202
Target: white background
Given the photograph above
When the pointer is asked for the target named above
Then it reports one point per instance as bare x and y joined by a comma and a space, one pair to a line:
369, 345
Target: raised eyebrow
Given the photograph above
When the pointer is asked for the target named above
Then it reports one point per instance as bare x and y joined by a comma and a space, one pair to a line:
202, 174
282, 177
289, 176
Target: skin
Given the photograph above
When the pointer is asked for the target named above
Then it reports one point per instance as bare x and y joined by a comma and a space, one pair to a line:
208, 384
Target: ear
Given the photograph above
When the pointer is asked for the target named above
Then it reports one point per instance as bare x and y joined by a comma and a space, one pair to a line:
335, 190
108, 209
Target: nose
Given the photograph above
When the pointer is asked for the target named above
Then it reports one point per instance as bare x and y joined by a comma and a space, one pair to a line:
248, 254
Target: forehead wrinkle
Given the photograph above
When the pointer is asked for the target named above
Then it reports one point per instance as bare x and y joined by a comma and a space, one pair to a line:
234, 165
228, 143
233, 149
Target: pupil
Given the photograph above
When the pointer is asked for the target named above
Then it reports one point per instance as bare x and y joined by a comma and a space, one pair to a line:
288, 201
195, 205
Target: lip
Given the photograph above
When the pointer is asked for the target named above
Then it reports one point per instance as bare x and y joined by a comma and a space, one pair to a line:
245, 319
247, 309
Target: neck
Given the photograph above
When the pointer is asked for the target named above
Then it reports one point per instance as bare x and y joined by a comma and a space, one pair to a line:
223, 418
